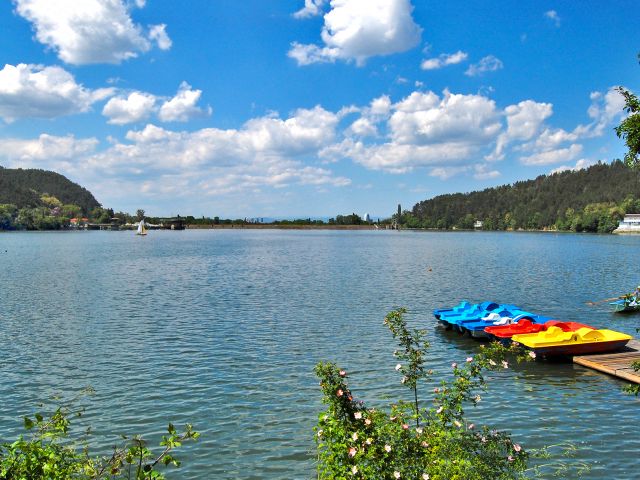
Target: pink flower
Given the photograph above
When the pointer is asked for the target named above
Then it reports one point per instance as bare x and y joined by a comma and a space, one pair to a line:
532, 355
352, 452
454, 365
510, 458
357, 415
483, 439
339, 392
469, 359
405, 426
354, 436
387, 448
424, 444
367, 421
471, 426
343, 373
517, 447
436, 390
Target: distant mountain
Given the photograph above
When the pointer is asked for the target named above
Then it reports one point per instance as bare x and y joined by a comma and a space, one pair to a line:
593, 199
24, 188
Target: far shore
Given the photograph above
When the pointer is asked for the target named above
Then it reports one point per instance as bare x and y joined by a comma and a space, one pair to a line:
267, 226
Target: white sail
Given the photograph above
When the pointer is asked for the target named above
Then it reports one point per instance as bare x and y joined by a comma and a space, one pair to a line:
141, 229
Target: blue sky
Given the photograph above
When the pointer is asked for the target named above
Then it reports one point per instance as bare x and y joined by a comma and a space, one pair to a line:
297, 108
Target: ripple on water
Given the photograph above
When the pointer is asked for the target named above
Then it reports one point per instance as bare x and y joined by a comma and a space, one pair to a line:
222, 329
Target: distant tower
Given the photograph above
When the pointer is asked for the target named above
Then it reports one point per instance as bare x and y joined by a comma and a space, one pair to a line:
367, 218
399, 210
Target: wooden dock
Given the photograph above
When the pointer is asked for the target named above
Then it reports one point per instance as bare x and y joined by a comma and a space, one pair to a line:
617, 364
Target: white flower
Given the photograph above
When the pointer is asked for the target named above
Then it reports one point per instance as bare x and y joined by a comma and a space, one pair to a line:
398, 367
354, 469
505, 364
458, 424
369, 441
396, 474
357, 415
387, 448
419, 430
425, 476
477, 398
532, 354
469, 359
354, 436
319, 433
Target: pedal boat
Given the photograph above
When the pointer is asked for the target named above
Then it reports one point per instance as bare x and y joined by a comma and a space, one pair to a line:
555, 341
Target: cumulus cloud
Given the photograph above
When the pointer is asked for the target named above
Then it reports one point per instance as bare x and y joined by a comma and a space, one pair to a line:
553, 16
35, 91
422, 130
581, 164
604, 109
553, 156
312, 8
90, 31
523, 122
158, 34
183, 106
137, 106
443, 60
486, 64
359, 29
47, 151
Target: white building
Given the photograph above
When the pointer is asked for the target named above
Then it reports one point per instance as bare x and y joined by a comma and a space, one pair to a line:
478, 224
629, 224
367, 218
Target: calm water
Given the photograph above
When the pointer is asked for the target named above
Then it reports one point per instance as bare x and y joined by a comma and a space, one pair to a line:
222, 329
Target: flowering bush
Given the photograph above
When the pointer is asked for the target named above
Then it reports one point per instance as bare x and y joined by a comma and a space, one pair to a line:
409, 442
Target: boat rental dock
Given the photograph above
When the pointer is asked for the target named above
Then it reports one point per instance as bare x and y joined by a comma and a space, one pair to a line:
617, 364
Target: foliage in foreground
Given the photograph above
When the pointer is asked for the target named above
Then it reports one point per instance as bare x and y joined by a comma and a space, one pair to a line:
410, 442
49, 451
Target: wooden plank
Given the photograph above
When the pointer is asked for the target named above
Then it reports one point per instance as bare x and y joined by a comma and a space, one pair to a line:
617, 364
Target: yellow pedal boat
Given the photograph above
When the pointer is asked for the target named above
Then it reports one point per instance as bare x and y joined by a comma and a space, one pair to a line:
554, 341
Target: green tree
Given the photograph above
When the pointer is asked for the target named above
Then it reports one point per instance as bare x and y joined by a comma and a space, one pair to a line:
629, 128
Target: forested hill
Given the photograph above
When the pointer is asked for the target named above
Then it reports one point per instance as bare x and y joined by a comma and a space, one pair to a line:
594, 199
26, 188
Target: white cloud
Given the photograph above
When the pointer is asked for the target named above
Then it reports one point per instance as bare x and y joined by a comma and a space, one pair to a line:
424, 130
483, 172
486, 64
35, 91
46, 151
89, 31
553, 156
604, 109
159, 35
311, 8
553, 16
183, 107
359, 29
135, 107
524, 120
443, 60
581, 164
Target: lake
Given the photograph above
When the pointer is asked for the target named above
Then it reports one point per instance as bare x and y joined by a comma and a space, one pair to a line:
222, 329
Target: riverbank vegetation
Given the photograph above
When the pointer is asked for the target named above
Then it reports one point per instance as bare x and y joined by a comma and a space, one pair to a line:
590, 200
51, 449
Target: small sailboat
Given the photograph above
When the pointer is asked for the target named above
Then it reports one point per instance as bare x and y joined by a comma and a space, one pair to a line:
141, 228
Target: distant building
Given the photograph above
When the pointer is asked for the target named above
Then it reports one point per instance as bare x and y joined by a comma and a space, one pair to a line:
478, 224
367, 218
629, 224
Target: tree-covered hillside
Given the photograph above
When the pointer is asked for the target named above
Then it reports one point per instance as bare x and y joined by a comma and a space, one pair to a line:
594, 199
25, 188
